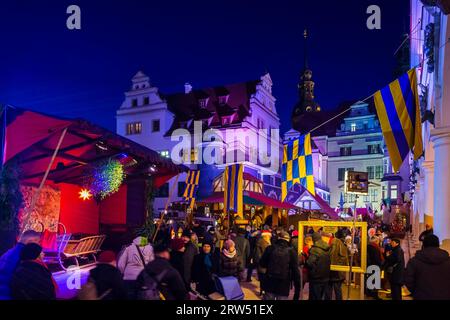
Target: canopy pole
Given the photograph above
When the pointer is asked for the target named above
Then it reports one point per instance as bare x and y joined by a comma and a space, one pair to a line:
165, 208
38, 191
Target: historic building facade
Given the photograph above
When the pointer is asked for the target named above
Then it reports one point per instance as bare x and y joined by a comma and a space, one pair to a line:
237, 111
347, 139
430, 54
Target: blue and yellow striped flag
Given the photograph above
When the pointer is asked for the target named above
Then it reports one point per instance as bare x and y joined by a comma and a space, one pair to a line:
192, 179
297, 165
398, 110
233, 182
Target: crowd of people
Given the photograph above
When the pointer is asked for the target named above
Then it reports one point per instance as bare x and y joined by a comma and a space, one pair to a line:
186, 265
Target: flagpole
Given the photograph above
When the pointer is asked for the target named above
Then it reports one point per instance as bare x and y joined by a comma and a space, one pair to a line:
165, 208
38, 191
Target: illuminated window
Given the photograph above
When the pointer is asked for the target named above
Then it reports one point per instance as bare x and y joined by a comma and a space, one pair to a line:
164, 153
353, 127
134, 128
191, 157
394, 191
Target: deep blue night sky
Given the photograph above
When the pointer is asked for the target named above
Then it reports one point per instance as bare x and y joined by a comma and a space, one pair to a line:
46, 67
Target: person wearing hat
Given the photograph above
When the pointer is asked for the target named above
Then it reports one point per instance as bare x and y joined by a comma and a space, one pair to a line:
191, 250
229, 262
169, 281
205, 265
339, 256
261, 245
281, 263
132, 260
177, 248
32, 280
318, 264
243, 250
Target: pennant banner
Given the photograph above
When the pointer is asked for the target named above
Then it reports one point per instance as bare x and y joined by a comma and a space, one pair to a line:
233, 182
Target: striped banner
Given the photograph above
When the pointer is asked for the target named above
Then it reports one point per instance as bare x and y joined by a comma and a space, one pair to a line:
233, 182
190, 192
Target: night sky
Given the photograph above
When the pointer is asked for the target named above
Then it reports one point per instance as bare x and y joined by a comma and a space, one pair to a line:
46, 67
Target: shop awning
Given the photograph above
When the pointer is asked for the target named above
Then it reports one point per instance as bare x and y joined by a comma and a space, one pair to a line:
32, 137
251, 198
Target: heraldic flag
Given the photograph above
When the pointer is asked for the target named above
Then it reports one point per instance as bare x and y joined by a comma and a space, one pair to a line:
190, 192
297, 165
398, 110
233, 182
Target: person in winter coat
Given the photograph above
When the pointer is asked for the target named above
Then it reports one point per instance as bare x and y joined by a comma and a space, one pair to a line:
32, 280
177, 254
133, 260
243, 249
105, 281
281, 262
205, 265
338, 256
318, 264
261, 245
374, 257
188, 257
171, 285
394, 268
428, 272
252, 239
229, 262
10, 260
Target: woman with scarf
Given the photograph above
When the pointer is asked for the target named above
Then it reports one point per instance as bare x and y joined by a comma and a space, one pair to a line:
229, 262
205, 265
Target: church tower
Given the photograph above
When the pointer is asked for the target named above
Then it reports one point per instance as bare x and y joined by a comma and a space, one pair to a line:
306, 103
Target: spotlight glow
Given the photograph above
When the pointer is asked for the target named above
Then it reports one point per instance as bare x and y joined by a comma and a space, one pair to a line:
85, 194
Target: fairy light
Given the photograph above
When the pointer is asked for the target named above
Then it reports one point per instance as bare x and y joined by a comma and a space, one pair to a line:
85, 194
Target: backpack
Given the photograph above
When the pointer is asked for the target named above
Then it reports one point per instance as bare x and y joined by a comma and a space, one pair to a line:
148, 286
278, 266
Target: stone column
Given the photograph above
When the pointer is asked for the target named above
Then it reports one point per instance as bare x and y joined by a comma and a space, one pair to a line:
441, 140
428, 191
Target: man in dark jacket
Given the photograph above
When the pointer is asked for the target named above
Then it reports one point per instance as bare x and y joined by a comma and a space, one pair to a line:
281, 263
191, 250
171, 285
394, 268
10, 260
338, 256
428, 273
32, 280
242, 248
318, 264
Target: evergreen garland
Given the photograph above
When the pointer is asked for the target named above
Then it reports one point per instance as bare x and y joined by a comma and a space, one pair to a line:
11, 198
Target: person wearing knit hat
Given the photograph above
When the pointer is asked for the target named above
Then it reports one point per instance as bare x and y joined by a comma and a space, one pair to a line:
281, 265
205, 265
229, 263
177, 247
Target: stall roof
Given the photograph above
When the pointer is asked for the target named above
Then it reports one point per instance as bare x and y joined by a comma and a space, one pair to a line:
32, 137
252, 198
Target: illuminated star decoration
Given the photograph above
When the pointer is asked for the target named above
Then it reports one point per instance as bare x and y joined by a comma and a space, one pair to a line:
85, 194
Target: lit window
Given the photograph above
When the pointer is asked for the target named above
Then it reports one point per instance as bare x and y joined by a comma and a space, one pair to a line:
394, 191
191, 157
134, 128
164, 153
353, 127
